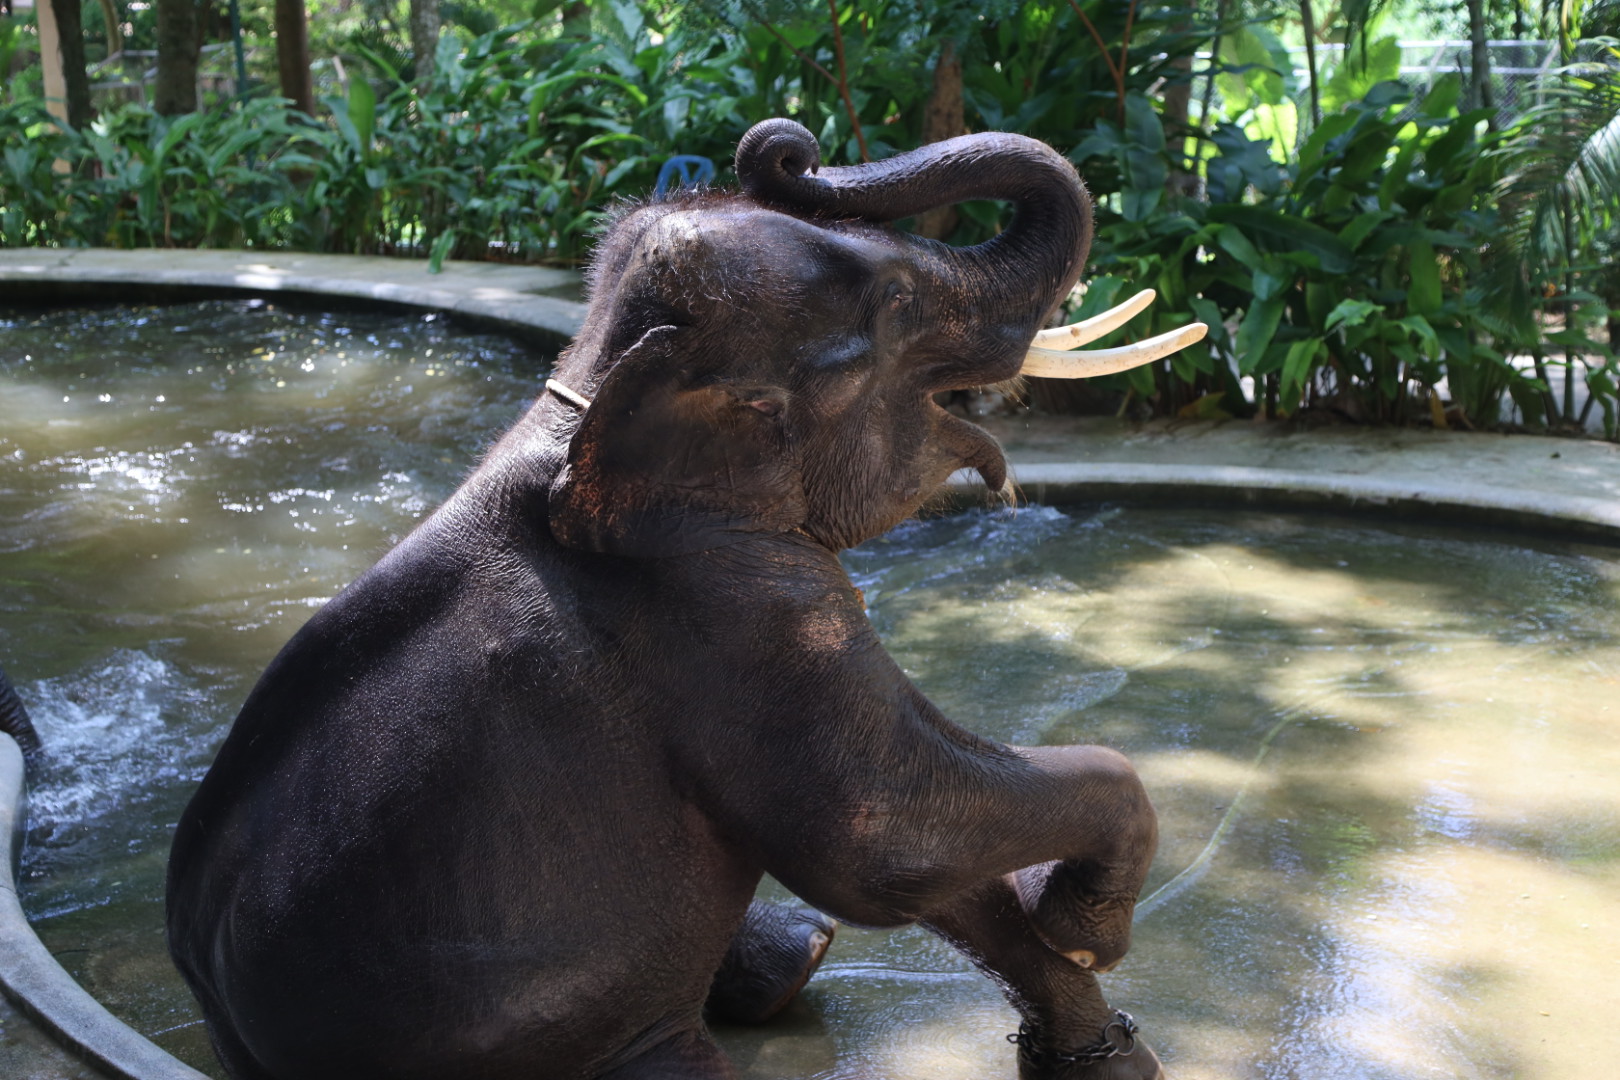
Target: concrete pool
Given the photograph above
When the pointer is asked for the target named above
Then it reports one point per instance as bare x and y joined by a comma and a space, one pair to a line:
1383, 754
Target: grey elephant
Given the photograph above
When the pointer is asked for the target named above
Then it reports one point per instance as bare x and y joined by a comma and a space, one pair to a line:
499, 809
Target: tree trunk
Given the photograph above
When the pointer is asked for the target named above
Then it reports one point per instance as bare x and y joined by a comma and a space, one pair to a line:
943, 118
424, 38
1480, 93
1214, 65
292, 54
70, 55
1177, 104
115, 32
576, 18
175, 91
1308, 16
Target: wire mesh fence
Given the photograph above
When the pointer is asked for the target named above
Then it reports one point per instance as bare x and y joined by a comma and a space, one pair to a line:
1516, 67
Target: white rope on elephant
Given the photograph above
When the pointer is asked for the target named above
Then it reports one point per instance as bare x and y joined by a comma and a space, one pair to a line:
568, 395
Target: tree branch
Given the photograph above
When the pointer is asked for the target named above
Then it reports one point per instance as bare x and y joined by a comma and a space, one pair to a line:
843, 80
790, 46
1115, 73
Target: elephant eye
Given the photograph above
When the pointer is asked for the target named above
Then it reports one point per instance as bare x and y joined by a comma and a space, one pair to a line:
897, 296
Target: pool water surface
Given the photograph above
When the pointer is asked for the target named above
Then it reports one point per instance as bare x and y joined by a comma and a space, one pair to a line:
1384, 757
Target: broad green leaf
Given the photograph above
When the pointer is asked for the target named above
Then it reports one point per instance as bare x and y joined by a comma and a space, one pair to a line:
1420, 326
1272, 279
1362, 225
1424, 297
1253, 73
1351, 312
1209, 314
362, 112
1141, 379
1142, 164
1277, 232
1255, 332
1295, 370
1237, 245
1442, 98
441, 249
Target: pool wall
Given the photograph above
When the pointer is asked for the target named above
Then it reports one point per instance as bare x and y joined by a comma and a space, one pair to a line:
36, 983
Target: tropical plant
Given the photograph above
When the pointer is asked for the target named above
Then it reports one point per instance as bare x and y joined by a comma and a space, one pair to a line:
1554, 259
1345, 281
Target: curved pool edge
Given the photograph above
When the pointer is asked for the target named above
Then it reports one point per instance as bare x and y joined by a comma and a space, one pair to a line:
32, 979
531, 301
1567, 516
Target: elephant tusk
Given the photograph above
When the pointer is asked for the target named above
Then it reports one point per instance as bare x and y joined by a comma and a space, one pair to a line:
1089, 330
1089, 363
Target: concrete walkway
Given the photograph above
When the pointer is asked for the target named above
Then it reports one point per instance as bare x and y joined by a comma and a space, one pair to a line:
1564, 486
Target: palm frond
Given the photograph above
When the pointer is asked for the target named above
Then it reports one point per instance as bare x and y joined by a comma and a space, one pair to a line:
1560, 177
1601, 18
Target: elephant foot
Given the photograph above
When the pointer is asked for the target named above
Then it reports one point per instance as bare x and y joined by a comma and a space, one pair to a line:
773, 955
1075, 917
1116, 1054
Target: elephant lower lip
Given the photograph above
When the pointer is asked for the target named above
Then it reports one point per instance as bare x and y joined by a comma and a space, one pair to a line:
974, 447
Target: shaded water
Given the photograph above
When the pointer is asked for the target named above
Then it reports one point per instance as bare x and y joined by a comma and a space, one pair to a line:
1385, 759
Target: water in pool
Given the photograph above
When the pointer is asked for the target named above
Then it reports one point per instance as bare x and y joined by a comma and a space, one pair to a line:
1384, 758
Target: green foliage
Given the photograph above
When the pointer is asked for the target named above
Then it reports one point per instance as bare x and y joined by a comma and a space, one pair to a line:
1556, 259
512, 153
1348, 280
1395, 254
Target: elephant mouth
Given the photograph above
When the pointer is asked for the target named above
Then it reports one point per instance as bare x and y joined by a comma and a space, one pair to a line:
1056, 354
971, 447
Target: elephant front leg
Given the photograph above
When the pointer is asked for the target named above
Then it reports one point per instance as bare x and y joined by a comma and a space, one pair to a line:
1083, 906
1068, 1030
771, 957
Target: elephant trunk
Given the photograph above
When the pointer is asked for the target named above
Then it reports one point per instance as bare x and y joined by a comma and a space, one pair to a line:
14, 718
1015, 279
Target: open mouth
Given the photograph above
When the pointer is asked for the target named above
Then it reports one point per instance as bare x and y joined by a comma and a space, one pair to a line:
1056, 354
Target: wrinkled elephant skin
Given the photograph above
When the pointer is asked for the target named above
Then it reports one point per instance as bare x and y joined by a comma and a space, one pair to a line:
500, 808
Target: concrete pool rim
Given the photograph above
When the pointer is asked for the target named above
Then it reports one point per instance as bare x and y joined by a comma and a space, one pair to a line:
1546, 514
44, 991
32, 979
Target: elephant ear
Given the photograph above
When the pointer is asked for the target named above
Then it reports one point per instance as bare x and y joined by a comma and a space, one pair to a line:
663, 466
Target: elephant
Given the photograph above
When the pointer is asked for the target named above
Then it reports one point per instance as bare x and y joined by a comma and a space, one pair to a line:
14, 719
500, 808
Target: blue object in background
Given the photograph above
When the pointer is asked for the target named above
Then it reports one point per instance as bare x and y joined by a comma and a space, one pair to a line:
684, 170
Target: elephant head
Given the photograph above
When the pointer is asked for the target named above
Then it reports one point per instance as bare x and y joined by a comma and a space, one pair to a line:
767, 361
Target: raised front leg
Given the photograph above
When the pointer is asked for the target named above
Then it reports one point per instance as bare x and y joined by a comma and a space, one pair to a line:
1072, 825
1068, 1031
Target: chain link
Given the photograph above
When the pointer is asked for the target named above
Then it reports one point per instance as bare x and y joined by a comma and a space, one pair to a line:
1104, 1048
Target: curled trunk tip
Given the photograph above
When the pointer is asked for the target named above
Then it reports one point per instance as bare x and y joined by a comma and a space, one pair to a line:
1030, 266
773, 155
